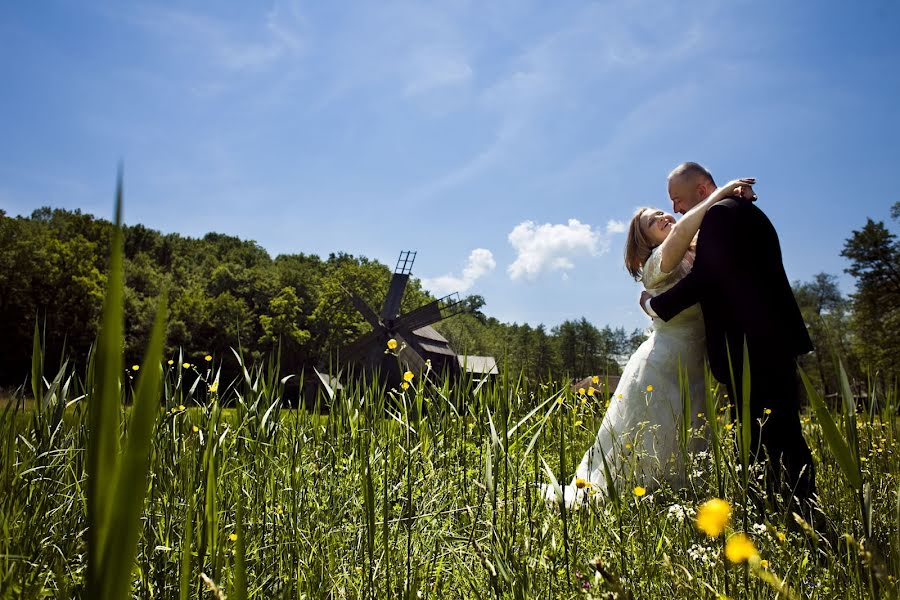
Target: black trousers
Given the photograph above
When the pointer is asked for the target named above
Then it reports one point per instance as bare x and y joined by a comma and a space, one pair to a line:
775, 403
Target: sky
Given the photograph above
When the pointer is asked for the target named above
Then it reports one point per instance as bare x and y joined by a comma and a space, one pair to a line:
509, 142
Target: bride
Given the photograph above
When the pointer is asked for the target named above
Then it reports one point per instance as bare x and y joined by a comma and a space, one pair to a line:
639, 437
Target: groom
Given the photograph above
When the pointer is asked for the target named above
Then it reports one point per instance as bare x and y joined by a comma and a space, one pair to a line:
739, 280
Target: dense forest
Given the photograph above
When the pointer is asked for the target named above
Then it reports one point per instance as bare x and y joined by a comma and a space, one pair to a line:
225, 293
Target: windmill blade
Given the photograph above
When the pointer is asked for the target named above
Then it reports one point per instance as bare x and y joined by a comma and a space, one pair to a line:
420, 317
411, 357
364, 309
440, 309
413, 343
395, 294
451, 304
361, 346
391, 307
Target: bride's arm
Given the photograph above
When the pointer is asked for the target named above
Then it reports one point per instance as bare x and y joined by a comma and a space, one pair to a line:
679, 239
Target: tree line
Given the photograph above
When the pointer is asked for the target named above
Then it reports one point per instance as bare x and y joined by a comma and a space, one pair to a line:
226, 293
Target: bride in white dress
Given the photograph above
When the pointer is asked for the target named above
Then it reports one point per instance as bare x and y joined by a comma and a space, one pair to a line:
639, 438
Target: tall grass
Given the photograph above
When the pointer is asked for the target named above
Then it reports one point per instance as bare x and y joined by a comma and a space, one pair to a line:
431, 492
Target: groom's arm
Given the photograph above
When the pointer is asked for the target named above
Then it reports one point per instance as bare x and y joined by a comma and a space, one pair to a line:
714, 260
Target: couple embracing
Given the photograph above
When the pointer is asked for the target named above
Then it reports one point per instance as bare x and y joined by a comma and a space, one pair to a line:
712, 280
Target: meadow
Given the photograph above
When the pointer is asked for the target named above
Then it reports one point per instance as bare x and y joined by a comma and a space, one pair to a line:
159, 480
425, 492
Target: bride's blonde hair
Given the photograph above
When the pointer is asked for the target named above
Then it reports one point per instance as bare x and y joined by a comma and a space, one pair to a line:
638, 248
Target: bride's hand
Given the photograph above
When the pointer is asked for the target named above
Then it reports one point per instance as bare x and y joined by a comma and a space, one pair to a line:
742, 188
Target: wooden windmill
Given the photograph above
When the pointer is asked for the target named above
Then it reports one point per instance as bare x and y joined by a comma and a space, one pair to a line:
417, 340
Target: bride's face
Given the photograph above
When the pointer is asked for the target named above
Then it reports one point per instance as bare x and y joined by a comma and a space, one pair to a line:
656, 225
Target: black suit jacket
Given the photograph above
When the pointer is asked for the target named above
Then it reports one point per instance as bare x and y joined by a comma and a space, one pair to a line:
739, 280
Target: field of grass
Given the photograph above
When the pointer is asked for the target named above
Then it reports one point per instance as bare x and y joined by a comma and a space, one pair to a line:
134, 481
427, 492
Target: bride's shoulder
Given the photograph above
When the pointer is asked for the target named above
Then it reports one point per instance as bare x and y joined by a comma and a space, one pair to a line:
651, 270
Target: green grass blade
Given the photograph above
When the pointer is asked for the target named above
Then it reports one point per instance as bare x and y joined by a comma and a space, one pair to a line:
131, 483
37, 372
240, 552
849, 402
745, 414
103, 406
554, 484
832, 435
187, 541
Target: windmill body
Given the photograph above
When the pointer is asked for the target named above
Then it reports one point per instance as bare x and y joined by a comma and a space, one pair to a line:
418, 342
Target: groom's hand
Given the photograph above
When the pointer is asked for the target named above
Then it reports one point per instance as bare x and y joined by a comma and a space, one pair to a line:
645, 295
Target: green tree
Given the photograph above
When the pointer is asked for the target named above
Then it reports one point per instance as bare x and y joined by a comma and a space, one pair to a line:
825, 311
874, 256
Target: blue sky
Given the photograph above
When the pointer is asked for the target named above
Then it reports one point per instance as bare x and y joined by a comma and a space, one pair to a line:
505, 141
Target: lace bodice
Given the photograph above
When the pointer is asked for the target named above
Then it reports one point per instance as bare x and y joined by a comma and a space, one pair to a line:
656, 281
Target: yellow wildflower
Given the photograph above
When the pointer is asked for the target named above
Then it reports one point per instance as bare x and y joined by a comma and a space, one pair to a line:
739, 548
214, 387
700, 415
581, 391
649, 388
713, 516
780, 535
392, 344
590, 392
729, 426
578, 423
560, 400
639, 491
171, 362
207, 358
768, 411
181, 407
595, 379
764, 564
404, 385
135, 367
195, 429
233, 537
628, 446
580, 483
408, 376
186, 365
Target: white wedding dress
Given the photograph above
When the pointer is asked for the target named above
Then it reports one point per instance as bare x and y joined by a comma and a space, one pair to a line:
640, 433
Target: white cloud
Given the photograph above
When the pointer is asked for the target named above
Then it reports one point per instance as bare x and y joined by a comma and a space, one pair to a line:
614, 226
551, 247
481, 262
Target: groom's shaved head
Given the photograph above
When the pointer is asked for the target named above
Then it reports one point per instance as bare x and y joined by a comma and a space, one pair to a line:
689, 184
692, 172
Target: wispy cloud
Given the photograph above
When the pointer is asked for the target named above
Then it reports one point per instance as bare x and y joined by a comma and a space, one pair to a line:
434, 70
481, 262
223, 49
572, 68
614, 226
551, 247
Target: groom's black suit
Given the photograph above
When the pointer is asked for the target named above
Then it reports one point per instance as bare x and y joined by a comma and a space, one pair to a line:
739, 280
